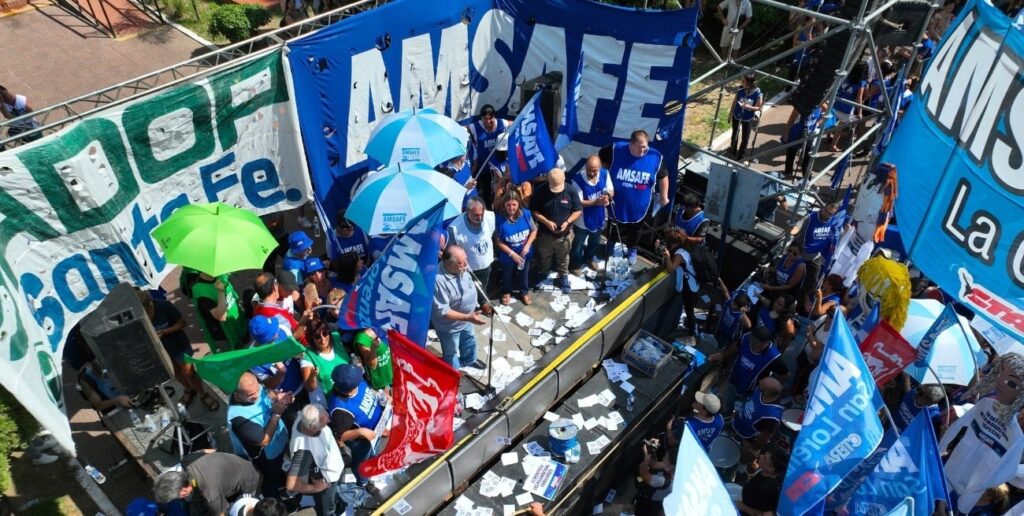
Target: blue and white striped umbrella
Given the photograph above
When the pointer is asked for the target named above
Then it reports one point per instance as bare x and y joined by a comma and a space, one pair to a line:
384, 201
410, 136
952, 352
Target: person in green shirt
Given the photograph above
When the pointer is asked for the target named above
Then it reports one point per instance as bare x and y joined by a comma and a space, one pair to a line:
221, 316
324, 354
376, 356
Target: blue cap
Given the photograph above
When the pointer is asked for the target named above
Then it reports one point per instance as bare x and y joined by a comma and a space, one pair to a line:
265, 330
346, 377
312, 264
299, 241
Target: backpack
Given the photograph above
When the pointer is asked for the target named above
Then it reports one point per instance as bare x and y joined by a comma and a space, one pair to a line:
705, 265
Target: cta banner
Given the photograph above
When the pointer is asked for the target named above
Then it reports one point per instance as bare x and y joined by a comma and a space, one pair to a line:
886, 352
424, 402
959, 155
459, 55
78, 206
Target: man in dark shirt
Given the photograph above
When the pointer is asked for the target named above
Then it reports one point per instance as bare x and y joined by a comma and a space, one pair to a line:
209, 482
556, 206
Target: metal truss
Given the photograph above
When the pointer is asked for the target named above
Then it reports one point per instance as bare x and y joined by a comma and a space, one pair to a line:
861, 38
57, 116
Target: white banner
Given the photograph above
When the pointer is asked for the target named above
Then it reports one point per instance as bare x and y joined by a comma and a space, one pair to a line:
77, 207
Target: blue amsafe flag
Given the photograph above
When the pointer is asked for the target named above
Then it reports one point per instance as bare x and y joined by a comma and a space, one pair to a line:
911, 469
530, 151
696, 486
397, 291
840, 429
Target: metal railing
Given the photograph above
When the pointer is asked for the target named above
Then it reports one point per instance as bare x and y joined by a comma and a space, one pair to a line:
57, 116
91, 15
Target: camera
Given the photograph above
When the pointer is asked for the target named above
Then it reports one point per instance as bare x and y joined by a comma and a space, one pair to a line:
660, 248
651, 445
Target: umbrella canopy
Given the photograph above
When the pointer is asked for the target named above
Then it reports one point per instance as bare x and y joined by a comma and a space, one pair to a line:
411, 136
215, 238
386, 200
952, 352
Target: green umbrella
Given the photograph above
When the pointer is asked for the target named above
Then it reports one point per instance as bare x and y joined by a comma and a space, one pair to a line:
215, 238
224, 369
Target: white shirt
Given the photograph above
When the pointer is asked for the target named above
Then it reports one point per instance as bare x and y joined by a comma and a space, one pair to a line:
690, 274
17, 109
974, 465
478, 243
734, 8
323, 447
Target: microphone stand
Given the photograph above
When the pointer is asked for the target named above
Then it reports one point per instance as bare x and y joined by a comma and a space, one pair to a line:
489, 388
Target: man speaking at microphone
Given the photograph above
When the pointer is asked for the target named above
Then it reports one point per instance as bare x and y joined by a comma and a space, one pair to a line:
454, 312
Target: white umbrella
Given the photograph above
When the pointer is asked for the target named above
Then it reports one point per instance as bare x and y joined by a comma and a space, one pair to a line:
956, 355
417, 135
386, 200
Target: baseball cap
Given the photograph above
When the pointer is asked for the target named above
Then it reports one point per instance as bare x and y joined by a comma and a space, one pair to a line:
710, 401
265, 330
299, 241
312, 264
346, 377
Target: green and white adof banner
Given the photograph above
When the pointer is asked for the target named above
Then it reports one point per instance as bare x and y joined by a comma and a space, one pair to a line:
77, 207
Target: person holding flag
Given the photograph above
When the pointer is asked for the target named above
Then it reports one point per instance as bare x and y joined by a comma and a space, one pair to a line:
635, 169
484, 132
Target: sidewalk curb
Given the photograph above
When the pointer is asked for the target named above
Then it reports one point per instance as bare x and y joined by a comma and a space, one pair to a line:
722, 139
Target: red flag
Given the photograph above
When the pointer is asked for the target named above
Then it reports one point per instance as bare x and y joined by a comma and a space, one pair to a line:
425, 388
886, 352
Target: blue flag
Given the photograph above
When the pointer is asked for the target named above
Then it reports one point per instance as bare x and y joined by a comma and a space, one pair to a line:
912, 468
870, 321
696, 486
530, 151
849, 485
568, 128
945, 321
397, 291
840, 429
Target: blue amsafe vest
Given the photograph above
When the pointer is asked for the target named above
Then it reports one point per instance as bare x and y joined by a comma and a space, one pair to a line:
514, 234
354, 243
692, 224
753, 411
258, 413
633, 180
294, 265
363, 406
783, 273
728, 322
764, 318
484, 141
819, 234
706, 432
594, 217
749, 365
751, 97
848, 91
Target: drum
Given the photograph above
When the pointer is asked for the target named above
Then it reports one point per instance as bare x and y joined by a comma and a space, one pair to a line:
725, 455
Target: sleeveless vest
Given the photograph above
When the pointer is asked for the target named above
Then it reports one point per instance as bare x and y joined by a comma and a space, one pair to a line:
594, 217
258, 413
363, 406
634, 180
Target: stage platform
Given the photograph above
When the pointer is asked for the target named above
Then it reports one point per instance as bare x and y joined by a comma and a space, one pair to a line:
492, 420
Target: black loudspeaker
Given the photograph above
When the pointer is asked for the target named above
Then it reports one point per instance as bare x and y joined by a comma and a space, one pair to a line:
120, 335
901, 24
550, 98
739, 258
824, 63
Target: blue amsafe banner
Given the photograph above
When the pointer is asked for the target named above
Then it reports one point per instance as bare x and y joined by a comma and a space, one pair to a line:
960, 155
457, 55
397, 291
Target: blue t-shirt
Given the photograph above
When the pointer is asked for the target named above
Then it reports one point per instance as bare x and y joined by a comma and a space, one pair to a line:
820, 234
848, 92
354, 243
805, 125
633, 180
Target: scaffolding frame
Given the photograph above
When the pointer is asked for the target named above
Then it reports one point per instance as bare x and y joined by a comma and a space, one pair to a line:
861, 38
54, 118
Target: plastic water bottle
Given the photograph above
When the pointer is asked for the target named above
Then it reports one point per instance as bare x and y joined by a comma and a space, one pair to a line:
95, 474
136, 422
629, 403
316, 227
